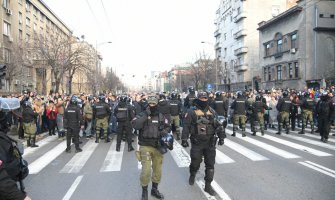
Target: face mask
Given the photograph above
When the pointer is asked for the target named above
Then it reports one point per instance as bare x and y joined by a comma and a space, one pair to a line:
202, 104
153, 110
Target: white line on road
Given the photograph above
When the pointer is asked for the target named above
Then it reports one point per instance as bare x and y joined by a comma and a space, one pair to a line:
41, 143
46, 159
244, 151
113, 160
73, 188
222, 194
320, 166
222, 158
317, 143
78, 161
180, 156
268, 147
318, 169
315, 136
139, 165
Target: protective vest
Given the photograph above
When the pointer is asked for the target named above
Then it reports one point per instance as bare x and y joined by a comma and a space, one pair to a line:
286, 105
153, 126
240, 106
219, 107
71, 117
28, 115
309, 104
122, 114
164, 107
175, 107
258, 107
101, 111
204, 123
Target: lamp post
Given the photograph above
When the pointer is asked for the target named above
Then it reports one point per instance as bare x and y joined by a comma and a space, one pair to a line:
216, 66
96, 63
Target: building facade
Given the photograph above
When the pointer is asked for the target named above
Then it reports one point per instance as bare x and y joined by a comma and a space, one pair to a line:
297, 48
237, 39
23, 22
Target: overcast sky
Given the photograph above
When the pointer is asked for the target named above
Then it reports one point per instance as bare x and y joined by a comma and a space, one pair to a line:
145, 34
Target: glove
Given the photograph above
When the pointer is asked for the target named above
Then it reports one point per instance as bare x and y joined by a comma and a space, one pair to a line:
221, 141
184, 143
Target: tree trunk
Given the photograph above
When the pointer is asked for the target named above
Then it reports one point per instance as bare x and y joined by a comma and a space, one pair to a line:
70, 84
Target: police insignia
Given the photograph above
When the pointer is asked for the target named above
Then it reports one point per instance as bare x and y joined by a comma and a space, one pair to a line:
185, 115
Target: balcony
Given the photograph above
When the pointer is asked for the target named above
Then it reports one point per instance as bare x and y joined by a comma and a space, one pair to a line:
240, 51
240, 16
242, 67
240, 33
217, 46
216, 33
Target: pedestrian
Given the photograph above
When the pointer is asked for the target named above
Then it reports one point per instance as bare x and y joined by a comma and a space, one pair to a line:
324, 110
202, 125
60, 116
52, 116
176, 109
152, 126
101, 113
273, 112
73, 124
307, 105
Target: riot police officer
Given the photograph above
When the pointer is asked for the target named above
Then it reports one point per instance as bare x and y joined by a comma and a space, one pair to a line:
258, 109
240, 106
307, 105
189, 98
101, 113
29, 123
324, 110
10, 162
73, 122
124, 113
176, 105
152, 126
201, 122
284, 107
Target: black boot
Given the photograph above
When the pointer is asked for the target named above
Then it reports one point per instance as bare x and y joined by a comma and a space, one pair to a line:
262, 131
78, 150
33, 142
243, 132
312, 127
107, 139
130, 147
209, 176
302, 130
191, 179
118, 147
279, 130
178, 136
155, 192
28, 141
209, 189
144, 193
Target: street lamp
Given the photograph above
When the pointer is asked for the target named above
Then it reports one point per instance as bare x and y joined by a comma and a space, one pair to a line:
216, 66
96, 62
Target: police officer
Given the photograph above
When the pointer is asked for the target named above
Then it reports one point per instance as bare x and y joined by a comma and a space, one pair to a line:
221, 105
324, 110
101, 113
152, 126
29, 123
307, 105
240, 106
73, 123
9, 160
176, 105
164, 106
202, 124
124, 114
189, 98
258, 109
284, 107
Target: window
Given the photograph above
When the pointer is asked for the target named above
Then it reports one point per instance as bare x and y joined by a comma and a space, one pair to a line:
27, 6
20, 34
290, 70
279, 45
296, 70
279, 72
269, 74
294, 41
35, 27
225, 36
6, 4
267, 50
27, 38
265, 75
28, 71
6, 28
6, 55
27, 22
238, 10
21, 2
20, 18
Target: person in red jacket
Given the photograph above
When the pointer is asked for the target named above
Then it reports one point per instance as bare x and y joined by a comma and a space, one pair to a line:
52, 116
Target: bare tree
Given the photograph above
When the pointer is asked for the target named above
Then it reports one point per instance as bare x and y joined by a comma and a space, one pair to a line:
202, 71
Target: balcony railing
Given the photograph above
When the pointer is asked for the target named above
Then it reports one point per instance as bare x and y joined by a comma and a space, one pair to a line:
216, 33
240, 16
217, 45
242, 67
240, 51
240, 33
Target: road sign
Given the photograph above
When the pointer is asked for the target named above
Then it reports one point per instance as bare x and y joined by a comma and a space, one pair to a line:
209, 87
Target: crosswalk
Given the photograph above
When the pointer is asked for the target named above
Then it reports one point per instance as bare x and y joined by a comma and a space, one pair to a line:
249, 149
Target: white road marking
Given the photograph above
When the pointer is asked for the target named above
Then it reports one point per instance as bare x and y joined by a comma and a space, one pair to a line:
201, 185
180, 156
316, 136
113, 160
139, 165
79, 160
222, 158
318, 169
244, 151
47, 158
72, 188
320, 166
317, 143
222, 194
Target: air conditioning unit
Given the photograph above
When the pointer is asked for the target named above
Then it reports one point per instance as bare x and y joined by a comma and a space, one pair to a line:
17, 82
8, 11
10, 39
293, 51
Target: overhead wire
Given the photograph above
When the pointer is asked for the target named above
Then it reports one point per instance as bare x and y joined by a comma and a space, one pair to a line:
106, 15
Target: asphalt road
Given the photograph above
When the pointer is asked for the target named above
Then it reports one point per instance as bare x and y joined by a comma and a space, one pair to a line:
276, 167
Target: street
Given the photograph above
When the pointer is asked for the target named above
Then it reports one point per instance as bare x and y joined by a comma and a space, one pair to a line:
263, 167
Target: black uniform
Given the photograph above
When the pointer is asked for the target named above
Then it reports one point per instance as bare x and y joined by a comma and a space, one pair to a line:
175, 115
124, 113
203, 126
324, 110
164, 107
221, 105
189, 100
72, 122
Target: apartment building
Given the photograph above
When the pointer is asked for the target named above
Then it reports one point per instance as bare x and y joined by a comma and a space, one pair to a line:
237, 39
297, 48
23, 21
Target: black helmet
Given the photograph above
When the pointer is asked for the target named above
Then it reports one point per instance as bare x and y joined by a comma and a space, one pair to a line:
166, 142
74, 100
102, 98
239, 94
173, 95
162, 96
27, 103
90, 98
202, 95
218, 93
123, 98
258, 97
191, 89
306, 94
285, 93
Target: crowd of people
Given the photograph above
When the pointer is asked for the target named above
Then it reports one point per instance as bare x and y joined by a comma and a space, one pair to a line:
201, 117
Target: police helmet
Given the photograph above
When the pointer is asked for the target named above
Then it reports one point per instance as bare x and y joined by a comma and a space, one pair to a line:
74, 100
218, 93
90, 98
173, 95
239, 94
191, 89
324, 94
166, 142
102, 98
285, 93
306, 94
162, 96
152, 100
202, 95
258, 97
27, 103
123, 98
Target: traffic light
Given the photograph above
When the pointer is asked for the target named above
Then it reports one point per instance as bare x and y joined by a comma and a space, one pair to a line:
3, 69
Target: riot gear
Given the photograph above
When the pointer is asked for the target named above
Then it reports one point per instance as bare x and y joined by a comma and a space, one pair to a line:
173, 96
218, 94
166, 142
123, 98
239, 94
74, 100
285, 93
102, 98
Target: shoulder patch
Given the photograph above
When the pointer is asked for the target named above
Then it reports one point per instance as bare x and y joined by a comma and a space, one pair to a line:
185, 115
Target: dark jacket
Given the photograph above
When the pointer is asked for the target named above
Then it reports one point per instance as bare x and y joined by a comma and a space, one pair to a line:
176, 107
72, 117
124, 112
28, 114
284, 104
101, 110
221, 105
240, 106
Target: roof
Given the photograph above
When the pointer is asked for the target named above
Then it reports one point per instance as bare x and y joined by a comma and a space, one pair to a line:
291, 11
